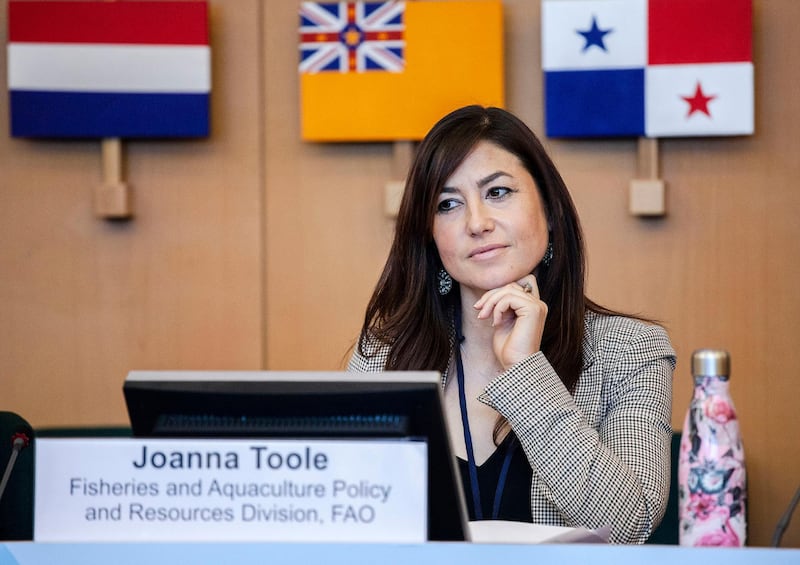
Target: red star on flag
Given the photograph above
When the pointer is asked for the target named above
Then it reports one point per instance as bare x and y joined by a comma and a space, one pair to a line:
698, 102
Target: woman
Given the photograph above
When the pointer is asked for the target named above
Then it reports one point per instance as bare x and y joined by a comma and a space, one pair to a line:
559, 408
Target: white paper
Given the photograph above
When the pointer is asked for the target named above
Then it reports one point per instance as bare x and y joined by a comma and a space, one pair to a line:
505, 531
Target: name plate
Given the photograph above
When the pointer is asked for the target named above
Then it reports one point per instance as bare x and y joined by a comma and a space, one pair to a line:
230, 490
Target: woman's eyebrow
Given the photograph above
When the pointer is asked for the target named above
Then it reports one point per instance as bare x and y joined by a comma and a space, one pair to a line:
482, 182
489, 178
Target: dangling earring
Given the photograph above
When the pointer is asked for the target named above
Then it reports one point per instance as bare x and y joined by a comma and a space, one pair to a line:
548, 254
445, 282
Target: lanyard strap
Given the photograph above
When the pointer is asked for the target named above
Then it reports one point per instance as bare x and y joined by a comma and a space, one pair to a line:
473, 468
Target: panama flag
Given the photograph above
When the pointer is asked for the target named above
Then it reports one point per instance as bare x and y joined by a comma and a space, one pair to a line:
108, 69
654, 68
382, 71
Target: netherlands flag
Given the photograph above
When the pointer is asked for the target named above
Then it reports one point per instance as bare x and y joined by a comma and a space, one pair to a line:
655, 68
108, 69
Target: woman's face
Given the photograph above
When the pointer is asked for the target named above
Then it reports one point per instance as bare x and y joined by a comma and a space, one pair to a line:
490, 227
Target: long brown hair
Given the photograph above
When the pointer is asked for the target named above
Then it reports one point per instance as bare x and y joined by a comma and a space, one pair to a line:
406, 311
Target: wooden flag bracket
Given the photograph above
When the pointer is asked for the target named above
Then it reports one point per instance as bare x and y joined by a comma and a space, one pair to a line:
402, 155
646, 196
112, 198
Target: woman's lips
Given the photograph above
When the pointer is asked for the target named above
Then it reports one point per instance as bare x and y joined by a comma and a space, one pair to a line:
486, 251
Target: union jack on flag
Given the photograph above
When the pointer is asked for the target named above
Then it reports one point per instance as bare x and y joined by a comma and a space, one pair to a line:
352, 37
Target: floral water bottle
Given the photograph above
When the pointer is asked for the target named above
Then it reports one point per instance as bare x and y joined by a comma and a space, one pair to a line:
711, 472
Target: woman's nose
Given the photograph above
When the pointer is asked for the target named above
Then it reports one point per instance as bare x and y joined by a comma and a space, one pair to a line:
479, 219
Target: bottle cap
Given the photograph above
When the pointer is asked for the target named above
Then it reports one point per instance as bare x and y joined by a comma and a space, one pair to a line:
711, 363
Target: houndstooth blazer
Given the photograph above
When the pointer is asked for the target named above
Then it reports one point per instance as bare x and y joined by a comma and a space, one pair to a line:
602, 457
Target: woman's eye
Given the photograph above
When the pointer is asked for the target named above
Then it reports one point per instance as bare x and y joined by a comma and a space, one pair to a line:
498, 192
446, 205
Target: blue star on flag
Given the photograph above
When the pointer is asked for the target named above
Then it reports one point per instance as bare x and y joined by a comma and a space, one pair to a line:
594, 35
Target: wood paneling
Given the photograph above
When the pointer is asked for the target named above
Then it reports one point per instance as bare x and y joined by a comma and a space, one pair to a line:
326, 235
84, 300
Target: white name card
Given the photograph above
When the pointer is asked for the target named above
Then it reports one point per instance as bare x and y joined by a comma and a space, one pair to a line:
230, 490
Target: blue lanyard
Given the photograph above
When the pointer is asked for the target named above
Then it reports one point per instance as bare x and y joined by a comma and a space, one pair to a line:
473, 468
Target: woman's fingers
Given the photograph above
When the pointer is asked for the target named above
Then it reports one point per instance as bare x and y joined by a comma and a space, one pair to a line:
518, 315
525, 289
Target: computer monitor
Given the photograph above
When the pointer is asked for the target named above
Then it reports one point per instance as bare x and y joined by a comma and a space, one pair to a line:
302, 404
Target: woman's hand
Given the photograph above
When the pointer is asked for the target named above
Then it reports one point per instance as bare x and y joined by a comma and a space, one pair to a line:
518, 317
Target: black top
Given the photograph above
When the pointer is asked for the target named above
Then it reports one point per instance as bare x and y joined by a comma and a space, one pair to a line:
515, 503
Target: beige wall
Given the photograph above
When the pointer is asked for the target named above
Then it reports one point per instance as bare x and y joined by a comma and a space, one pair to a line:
253, 250
84, 300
